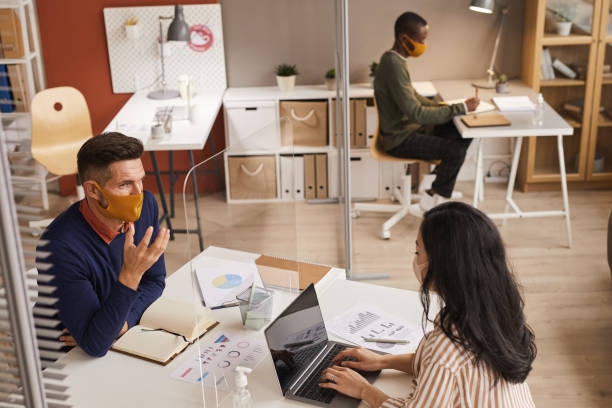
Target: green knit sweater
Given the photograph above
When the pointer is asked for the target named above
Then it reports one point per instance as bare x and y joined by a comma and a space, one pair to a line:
402, 110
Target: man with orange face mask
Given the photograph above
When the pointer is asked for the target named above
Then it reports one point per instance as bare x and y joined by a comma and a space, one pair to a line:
106, 250
403, 112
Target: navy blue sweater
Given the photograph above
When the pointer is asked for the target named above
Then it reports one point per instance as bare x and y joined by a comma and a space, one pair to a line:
93, 305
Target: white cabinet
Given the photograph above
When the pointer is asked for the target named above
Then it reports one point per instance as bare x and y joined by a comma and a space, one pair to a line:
364, 175
252, 125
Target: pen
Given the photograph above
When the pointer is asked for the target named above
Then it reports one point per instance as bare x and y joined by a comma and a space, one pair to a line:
375, 340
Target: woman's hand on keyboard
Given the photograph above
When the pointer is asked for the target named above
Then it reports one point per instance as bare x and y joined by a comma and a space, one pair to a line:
360, 359
348, 382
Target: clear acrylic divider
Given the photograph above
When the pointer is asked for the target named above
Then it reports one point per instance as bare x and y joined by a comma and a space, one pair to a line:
247, 264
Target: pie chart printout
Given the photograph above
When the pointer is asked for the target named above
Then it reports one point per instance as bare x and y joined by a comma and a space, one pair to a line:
227, 281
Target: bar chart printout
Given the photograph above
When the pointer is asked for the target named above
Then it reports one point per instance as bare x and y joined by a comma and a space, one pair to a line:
366, 321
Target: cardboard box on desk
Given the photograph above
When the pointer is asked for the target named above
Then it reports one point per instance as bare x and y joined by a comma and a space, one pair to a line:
284, 273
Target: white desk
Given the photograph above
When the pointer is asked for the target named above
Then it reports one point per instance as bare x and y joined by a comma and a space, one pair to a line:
118, 380
521, 126
136, 118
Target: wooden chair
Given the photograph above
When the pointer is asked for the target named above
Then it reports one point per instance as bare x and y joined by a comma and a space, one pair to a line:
60, 125
403, 196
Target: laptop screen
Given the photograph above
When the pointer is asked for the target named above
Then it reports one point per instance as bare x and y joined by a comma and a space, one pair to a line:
296, 336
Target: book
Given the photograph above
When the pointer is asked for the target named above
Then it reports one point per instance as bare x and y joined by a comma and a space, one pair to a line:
513, 104
564, 69
166, 328
547, 64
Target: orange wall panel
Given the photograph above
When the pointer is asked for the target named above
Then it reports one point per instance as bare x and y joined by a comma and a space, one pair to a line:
73, 43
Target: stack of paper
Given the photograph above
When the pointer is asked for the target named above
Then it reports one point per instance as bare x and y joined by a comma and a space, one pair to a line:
514, 104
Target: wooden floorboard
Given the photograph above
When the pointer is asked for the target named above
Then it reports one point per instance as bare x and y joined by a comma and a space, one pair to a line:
567, 291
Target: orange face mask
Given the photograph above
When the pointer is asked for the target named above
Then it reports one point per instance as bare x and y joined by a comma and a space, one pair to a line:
417, 48
124, 208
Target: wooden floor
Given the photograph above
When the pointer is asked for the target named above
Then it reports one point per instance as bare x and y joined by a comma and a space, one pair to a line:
568, 292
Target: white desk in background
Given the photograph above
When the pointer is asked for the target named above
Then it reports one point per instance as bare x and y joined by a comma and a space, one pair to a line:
118, 380
521, 126
135, 119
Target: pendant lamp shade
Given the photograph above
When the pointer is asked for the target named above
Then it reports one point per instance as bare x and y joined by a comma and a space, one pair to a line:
482, 6
179, 29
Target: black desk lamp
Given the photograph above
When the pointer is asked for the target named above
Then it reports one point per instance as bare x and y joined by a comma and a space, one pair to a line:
178, 31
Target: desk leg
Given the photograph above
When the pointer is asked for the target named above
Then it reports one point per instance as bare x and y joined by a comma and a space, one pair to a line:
564, 188
172, 181
512, 178
165, 216
478, 181
195, 200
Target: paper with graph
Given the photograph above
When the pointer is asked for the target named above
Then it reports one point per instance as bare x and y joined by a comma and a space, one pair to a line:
367, 321
219, 285
214, 363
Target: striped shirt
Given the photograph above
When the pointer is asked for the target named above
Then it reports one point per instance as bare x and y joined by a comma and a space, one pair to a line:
445, 376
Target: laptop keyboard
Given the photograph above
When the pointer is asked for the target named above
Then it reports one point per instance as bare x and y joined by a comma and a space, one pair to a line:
310, 389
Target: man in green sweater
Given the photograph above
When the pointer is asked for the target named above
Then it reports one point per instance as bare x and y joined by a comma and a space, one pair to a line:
403, 112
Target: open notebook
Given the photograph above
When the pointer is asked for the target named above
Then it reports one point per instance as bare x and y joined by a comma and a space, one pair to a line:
176, 320
482, 106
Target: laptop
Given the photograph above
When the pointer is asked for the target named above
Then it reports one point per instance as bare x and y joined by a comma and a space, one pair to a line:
301, 351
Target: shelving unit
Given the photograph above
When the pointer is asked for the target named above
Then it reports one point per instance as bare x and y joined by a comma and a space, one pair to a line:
589, 51
21, 47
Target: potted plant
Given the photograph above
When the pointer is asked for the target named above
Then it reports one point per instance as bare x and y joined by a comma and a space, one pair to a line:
330, 79
373, 68
285, 77
502, 84
564, 14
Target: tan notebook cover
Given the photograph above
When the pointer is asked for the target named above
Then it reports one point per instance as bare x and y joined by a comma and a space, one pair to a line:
284, 273
492, 119
175, 319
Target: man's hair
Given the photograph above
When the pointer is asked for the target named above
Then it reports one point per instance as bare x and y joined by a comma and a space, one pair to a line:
99, 152
408, 23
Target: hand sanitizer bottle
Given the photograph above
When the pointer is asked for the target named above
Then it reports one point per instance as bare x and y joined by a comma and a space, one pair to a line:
538, 116
241, 397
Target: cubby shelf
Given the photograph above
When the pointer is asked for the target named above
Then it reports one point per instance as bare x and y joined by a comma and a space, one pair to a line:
562, 82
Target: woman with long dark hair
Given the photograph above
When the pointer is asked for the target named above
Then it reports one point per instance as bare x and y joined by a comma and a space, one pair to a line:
481, 349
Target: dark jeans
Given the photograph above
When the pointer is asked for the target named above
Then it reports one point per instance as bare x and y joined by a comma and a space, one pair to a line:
445, 144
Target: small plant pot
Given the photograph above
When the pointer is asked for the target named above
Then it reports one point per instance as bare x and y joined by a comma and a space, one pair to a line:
330, 83
564, 27
132, 32
286, 83
501, 88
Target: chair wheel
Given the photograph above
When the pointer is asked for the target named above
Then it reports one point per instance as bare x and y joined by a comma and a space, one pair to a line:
386, 234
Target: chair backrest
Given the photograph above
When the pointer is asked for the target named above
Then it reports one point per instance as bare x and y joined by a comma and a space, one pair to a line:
60, 125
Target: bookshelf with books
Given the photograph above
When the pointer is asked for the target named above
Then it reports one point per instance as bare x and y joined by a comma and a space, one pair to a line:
569, 69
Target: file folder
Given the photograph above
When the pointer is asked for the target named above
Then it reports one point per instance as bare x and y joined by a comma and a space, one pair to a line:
310, 186
321, 175
359, 122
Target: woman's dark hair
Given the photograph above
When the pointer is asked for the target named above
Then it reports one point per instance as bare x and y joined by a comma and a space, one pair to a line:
482, 308
99, 152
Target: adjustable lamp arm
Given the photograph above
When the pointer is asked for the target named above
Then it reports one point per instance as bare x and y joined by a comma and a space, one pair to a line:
491, 70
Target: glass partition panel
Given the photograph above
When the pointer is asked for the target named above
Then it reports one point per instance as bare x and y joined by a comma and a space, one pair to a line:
245, 276
600, 155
